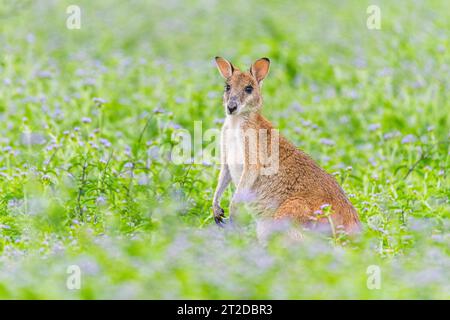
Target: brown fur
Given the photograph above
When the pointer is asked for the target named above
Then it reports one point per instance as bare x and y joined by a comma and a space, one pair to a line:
300, 187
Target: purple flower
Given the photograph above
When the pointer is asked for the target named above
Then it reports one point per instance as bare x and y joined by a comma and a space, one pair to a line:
418, 84
212, 94
44, 74
297, 107
206, 163
374, 126
360, 63
143, 180
93, 145
391, 135
344, 119
153, 152
305, 123
408, 139
51, 147
105, 142
180, 100
99, 101
158, 110
327, 142
100, 200
351, 94
80, 72
89, 82
129, 165
385, 72
86, 120
30, 38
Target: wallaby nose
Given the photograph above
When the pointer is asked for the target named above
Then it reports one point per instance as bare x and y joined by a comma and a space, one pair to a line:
232, 107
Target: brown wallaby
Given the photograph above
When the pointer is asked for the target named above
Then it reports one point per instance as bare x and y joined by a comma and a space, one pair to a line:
296, 188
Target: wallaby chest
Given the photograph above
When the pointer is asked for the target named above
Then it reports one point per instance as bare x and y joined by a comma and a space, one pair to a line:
233, 145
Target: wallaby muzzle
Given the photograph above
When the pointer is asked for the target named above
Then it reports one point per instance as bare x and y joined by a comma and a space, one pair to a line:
232, 105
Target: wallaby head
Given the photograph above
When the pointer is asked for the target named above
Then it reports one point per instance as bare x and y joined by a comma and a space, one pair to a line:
242, 93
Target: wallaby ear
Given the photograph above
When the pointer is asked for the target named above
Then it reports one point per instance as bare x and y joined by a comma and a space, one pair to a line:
225, 67
260, 69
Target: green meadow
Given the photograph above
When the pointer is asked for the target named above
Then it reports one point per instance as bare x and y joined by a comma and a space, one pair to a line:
93, 206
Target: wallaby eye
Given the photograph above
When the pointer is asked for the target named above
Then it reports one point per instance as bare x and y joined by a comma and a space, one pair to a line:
248, 89
227, 87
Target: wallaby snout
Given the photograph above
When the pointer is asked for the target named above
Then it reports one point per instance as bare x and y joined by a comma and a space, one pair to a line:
232, 105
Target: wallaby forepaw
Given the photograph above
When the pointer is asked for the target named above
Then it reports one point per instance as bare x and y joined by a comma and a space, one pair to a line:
219, 215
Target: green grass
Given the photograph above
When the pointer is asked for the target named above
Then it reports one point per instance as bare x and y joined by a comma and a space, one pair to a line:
89, 182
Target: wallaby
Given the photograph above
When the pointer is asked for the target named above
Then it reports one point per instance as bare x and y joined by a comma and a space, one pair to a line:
297, 189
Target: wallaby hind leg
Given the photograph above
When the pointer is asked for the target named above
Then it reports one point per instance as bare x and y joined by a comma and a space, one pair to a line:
301, 212
296, 209
286, 218
266, 227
